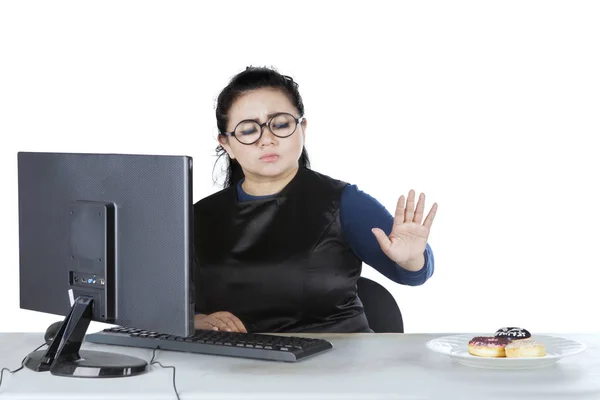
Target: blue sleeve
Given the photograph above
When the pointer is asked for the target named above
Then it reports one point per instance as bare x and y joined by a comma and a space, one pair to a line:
359, 213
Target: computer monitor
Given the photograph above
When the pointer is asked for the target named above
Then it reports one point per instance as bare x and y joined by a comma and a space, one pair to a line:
106, 238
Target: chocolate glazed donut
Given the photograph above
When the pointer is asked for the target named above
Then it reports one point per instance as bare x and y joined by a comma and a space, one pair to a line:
513, 333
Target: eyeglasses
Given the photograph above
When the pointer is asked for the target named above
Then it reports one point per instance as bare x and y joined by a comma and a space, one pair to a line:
250, 131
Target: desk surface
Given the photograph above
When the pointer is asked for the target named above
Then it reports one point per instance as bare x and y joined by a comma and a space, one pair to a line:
361, 366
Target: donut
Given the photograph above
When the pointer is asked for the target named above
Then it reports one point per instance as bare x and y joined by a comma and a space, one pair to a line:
488, 346
513, 333
525, 348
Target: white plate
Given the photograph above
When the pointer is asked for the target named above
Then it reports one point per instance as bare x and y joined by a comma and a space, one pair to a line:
456, 346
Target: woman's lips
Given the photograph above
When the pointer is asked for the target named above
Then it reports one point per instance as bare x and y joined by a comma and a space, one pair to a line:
269, 157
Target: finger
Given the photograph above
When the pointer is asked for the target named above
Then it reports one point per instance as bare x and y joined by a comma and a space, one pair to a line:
382, 239
206, 324
420, 209
220, 323
409, 211
201, 324
228, 325
238, 323
226, 317
430, 216
399, 215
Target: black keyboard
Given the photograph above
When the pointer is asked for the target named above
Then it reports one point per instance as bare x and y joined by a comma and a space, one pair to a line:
235, 344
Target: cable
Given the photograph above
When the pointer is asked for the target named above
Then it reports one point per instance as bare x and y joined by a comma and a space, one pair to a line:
18, 369
152, 362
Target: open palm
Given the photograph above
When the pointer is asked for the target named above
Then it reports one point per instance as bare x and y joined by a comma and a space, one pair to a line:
406, 242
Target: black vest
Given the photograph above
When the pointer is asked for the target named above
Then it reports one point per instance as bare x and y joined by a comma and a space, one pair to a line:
279, 264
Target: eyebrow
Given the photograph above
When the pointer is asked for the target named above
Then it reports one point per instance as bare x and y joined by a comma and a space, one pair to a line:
268, 116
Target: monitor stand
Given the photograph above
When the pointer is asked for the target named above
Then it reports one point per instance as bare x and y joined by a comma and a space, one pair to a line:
64, 357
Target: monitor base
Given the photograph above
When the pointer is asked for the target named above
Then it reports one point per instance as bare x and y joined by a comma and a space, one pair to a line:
64, 355
91, 364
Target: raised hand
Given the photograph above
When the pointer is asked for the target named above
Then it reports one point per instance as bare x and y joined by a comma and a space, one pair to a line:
407, 241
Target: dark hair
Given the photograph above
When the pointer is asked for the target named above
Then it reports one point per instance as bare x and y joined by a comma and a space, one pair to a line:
250, 79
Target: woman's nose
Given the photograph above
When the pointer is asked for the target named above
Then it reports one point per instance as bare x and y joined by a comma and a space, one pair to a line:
267, 136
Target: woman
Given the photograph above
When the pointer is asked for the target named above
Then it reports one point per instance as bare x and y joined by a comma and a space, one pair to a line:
280, 248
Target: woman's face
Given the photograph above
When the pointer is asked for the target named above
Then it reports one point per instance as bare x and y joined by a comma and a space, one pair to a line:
270, 156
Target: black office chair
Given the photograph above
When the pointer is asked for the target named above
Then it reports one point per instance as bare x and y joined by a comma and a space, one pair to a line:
381, 308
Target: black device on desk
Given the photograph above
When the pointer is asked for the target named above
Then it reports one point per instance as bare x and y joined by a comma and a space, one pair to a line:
109, 238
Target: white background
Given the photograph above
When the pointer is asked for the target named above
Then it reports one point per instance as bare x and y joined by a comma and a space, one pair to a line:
490, 108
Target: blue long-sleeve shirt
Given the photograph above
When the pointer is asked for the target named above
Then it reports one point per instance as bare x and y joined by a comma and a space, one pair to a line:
359, 213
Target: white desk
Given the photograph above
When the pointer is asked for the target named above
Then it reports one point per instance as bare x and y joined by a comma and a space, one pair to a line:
361, 366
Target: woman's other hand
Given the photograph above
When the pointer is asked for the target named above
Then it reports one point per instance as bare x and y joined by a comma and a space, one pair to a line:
406, 243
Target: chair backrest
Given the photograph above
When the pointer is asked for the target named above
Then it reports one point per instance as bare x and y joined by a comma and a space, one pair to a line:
381, 308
